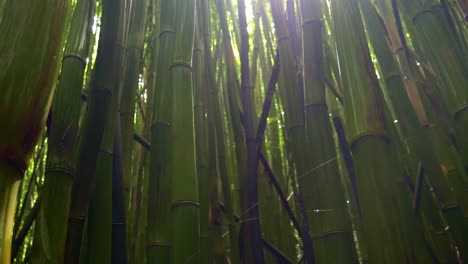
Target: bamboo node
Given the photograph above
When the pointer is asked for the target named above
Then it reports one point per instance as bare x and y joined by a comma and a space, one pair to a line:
98, 90
124, 113
283, 38
120, 45
313, 105
182, 203
14, 160
392, 76
459, 111
107, 151
74, 56
363, 136
157, 243
420, 13
182, 64
76, 220
138, 49
165, 29
330, 233
60, 169
160, 124
295, 126
318, 21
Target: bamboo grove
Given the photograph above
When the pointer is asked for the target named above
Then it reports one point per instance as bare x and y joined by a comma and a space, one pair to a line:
234, 131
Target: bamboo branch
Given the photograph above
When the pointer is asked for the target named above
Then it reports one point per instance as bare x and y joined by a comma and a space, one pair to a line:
143, 142
270, 92
119, 235
29, 189
281, 195
19, 238
344, 146
278, 254
417, 190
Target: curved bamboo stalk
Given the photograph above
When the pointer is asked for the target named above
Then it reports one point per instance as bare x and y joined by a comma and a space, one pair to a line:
26, 91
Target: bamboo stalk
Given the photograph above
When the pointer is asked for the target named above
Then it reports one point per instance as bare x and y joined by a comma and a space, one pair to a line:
201, 140
134, 53
26, 91
184, 193
63, 132
294, 107
251, 229
159, 186
104, 84
328, 193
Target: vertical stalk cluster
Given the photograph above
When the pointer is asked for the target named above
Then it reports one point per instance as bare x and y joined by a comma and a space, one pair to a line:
198, 131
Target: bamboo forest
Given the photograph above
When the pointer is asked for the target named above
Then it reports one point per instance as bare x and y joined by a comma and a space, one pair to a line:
234, 131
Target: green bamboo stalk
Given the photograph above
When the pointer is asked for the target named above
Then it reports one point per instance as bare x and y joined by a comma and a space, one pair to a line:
26, 92
420, 138
159, 192
251, 229
228, 178
439, 48
286, 241
97, 246
134, 53
119, 221
233, 101
463, 4
63, 124
376, 169
216, 129
294, 108
330, 225
104, 84
139, 206
184, 194
234, 115
234, 23
269, 213
201, 140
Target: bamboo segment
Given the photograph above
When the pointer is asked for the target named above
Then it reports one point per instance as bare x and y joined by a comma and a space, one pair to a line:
420, 138
234, 106
216, 125
376, 170
182, 165
295, 122
9, 182
63, 124
329, 221
139, 204
463, 4
201, 140
388, 185
104, 84
159, 187
408, 121
99, 216
27, 77
251, 230
134, 55
438, 47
